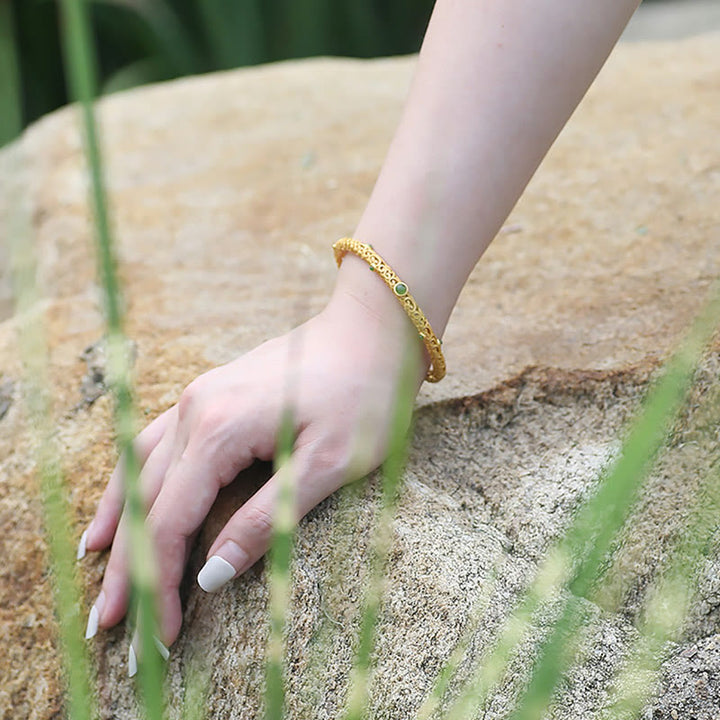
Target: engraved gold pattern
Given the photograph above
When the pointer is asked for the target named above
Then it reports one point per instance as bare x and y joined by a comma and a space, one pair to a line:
436, 371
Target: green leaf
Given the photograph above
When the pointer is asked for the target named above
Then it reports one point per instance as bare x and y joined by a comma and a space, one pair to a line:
10, 112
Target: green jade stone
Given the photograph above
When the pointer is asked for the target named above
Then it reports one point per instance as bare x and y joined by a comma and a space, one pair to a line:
400, 289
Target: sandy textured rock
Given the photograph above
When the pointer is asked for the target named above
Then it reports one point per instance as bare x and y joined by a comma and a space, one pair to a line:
228, 190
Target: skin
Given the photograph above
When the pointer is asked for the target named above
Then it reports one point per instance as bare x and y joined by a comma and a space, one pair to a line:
495, 83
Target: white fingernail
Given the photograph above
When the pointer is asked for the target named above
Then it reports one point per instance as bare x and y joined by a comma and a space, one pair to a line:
82, 545
215, 573
132, 662
92, 623
161, 648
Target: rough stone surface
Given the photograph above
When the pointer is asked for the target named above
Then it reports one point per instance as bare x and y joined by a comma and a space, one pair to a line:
227, 183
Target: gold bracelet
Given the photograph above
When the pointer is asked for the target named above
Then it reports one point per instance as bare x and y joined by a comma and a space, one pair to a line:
436, 371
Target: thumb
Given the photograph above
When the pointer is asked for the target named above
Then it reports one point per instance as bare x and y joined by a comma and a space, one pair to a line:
248, 534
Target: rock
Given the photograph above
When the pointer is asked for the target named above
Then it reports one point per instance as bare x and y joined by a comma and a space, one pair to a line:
95, 381
225, 182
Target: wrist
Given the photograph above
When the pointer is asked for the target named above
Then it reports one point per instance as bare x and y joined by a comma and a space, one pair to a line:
363, 299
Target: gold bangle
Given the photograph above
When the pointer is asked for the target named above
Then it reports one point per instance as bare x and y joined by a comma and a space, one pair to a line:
436, 371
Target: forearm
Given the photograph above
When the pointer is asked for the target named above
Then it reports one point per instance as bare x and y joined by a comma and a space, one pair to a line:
495, 83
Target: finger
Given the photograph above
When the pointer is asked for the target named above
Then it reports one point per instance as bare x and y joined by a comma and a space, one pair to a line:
103, 526
135, 649
135, 652
116, 581
248, 534
173, 520
111, 604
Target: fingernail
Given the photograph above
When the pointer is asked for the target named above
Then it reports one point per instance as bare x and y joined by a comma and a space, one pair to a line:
92, 623
82, 545
132, 662
230, 560
164, 652
215, 573
94, 616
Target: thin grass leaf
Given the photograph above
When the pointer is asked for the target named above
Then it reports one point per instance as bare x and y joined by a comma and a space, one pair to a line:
279, 572
10, 112
368, 34
667, 606
81, 71
301, 28
602, 518
56, 506
34, 351
576, 562
494, 663
235, 32
448, 671
140, 72
197, 685
171, 40
343, 536
392, 474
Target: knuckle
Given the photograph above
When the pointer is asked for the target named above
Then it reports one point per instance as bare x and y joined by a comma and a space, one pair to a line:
189, 398
337, 462
210, 420
259, 521
329, 458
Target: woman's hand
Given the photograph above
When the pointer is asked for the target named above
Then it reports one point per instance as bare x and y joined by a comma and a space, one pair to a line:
339, 372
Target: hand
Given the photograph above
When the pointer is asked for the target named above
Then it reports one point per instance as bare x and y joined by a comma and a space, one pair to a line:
339, 370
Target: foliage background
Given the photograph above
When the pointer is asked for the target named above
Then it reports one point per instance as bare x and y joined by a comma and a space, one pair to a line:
142, 41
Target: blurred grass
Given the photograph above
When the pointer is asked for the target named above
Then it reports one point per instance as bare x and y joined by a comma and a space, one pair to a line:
279, 569
667, 605
10, 116
584, 549
573, 569
80, 66
141, 41
358, 696
57, 515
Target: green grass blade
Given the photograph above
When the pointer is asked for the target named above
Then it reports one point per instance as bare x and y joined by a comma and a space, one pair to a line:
300, 28
667, 605
368, 35
576, 562
392, 475
601, 519
235, 32
279, 570
81, 70
34, 351
169, 40
10, 111
197, 686
494, 663
444, 678
56, 505
140, 72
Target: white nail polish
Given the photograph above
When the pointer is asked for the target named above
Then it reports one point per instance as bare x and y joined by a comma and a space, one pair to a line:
164, 652
92, 623
82, 545
132, 662
215, 573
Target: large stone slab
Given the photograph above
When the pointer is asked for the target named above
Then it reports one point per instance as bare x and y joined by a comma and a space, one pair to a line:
228, 190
